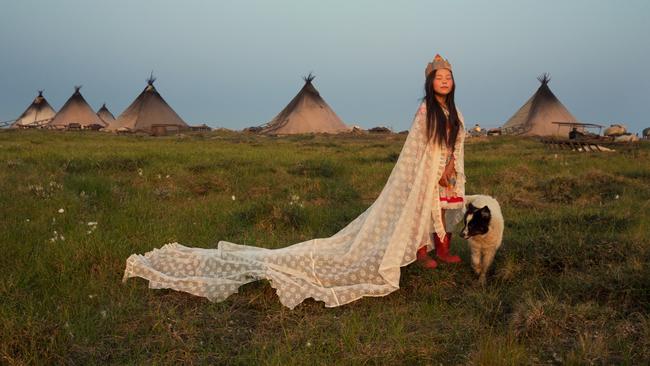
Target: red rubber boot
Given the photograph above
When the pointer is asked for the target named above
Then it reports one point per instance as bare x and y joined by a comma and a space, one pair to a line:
424, 258
442, 249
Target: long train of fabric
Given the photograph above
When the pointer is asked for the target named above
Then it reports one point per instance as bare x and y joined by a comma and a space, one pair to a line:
362, 259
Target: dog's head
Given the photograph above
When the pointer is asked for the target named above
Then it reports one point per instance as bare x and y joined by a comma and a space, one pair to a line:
476, 220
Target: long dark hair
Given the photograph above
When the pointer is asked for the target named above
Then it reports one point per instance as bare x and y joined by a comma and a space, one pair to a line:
436, 119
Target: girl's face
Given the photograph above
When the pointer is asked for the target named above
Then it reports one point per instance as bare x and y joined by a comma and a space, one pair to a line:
443, 82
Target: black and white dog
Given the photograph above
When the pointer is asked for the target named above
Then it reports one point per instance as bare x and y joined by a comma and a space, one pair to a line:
483, 230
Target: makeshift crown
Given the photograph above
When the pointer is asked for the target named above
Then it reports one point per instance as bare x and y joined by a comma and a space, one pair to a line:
437, 63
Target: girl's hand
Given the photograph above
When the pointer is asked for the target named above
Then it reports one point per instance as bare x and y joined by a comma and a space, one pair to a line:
443, 181
446, 177
448, 173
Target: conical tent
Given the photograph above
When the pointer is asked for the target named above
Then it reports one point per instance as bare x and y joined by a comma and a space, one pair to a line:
536, 116
306, 113
37, 114
105, 115
147, 110
76, 110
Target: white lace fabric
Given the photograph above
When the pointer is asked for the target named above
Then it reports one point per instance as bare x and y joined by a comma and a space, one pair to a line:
362, 259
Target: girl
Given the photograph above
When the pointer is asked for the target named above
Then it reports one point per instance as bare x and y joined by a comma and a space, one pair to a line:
444, 131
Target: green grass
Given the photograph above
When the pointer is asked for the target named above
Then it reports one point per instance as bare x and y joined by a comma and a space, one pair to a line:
569, 286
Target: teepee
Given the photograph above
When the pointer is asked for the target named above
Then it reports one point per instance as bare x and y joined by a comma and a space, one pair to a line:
105, 115
148, 113
38, 113
306, 113
76, 111
536, 116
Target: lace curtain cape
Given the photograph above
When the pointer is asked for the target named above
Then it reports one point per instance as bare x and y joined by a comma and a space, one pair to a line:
362, 259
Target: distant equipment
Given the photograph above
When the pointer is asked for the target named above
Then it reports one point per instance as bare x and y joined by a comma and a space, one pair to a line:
494, 132
615, 130
477, 131
201, 128
380, 129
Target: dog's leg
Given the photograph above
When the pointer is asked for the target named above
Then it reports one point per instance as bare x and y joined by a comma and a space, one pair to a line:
486, 262
476, 259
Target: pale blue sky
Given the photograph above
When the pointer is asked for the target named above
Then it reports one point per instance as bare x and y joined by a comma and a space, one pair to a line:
238, 63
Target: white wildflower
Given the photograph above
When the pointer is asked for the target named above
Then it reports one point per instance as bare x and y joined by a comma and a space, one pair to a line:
61, 210
233, 197
92, 225
167, 176
308, 344
140, 171
617, 196
56, 236
91, 296
27, 220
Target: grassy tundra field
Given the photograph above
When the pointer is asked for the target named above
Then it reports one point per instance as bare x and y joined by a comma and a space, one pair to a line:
571, 284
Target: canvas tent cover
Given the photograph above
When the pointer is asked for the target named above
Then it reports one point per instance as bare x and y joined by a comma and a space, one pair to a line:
76, 110
105, 115
38, 113
536, 116
306, 113
148, 109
